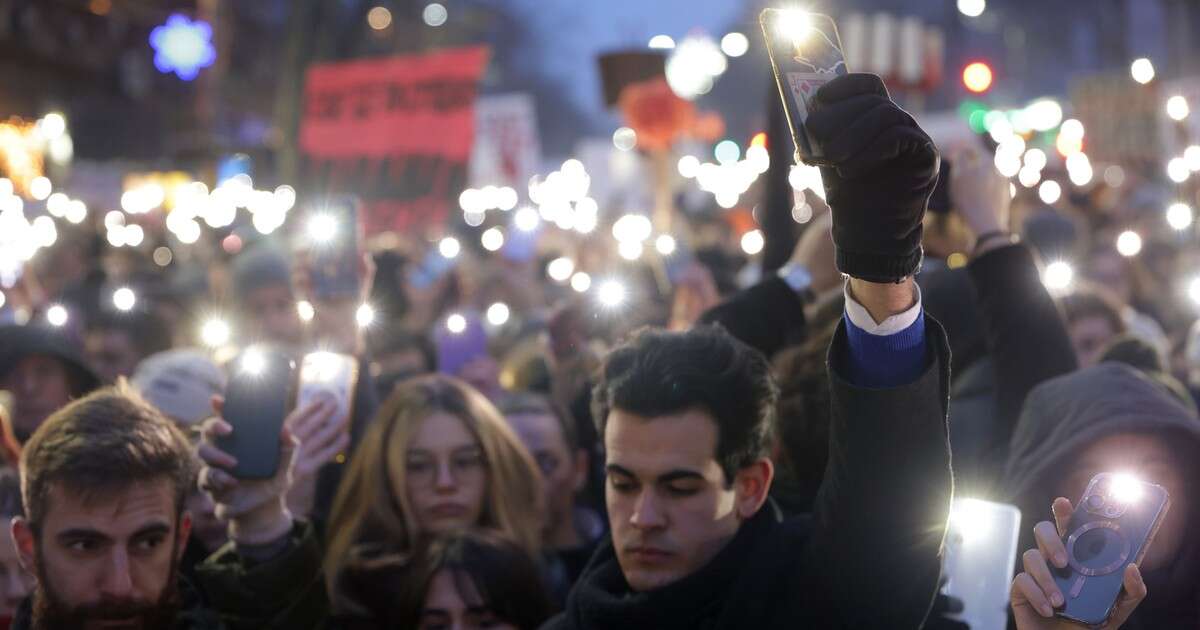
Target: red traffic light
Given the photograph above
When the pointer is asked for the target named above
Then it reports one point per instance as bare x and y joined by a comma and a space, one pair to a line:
977, 77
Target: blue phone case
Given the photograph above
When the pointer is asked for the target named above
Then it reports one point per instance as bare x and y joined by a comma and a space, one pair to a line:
1106, 534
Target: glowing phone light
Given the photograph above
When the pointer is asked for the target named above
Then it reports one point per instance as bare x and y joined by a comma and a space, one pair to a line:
1126, 488
794, 24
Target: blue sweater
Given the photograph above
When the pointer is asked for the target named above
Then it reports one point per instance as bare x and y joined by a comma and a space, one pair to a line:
881, 361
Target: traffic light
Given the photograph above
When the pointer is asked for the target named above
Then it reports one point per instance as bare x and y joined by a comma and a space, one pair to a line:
977, 77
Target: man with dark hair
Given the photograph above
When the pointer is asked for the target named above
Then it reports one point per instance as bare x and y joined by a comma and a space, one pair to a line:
42, 369
686, 420
262, 284
116, 342
105, 481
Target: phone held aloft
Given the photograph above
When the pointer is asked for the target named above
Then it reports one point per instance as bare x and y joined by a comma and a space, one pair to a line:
980, 554
330, 375
806, 53
335, 243
1112, 527
261, 392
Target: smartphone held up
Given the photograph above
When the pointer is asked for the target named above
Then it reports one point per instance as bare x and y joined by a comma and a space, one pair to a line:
1112, 526
334, 241
261, 392
806, 53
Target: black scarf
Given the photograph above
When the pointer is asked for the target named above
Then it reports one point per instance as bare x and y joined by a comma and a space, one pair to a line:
603, 599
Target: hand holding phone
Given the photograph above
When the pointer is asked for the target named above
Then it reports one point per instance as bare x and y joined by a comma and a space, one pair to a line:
260, 394
806, 53
1085, 569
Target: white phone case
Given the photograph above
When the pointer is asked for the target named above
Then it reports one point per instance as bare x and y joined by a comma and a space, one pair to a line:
980, 555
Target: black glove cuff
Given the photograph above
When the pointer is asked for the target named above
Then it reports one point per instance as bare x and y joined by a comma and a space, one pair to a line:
879, 268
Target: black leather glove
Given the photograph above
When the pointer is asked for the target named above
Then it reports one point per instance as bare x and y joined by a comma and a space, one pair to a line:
884, 168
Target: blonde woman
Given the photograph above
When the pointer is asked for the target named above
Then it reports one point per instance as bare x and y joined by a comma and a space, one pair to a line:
437, 458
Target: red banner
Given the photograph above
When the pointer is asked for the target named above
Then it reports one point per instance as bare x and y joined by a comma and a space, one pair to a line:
397, 131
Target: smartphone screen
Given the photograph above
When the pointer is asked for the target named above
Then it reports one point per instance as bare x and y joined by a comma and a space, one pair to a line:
806, 53
260, 394
334, 240
981, 551
328, 374
1112, 526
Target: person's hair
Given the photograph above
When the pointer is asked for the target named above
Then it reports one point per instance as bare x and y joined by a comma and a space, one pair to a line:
146, 330
396, 339
1090, 301
371, 516
505, 577
804, 413
657, 373
528, 404
10, 494
107, 441
10, 448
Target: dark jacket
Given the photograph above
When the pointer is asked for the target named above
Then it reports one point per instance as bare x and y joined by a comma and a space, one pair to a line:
1067, 414
867, 558
284, 593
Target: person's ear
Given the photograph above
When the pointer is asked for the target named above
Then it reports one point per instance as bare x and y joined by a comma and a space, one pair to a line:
22, 535
185, 532
751, 487
583, 462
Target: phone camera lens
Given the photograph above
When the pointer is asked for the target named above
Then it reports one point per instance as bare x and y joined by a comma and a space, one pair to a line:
1095, 502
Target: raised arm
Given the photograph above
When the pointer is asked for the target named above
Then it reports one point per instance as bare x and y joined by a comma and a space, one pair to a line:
880, 516
1025, 333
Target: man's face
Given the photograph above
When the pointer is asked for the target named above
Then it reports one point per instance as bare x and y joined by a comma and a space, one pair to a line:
111, 353
561, 472
106, 560
271, 311
1149, 458
41, 385
1090, 336
669, 506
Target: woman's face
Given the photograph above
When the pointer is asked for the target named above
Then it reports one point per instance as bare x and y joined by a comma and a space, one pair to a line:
448, 609
1149, 458
445, 474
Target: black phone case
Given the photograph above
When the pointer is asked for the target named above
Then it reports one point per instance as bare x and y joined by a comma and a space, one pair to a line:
256, 406
335, 264
1101, 541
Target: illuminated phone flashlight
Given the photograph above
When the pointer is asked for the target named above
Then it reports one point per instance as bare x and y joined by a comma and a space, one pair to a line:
794, 24
1126, 488
456, 324
322, 228
253, 362
57, 315
306, 311
498, 314
449, 247
124, 299
215, 333
322, 366
611, 293
365, 315
969, 519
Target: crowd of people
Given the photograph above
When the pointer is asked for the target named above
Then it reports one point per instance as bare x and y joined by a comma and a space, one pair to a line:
780, 454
